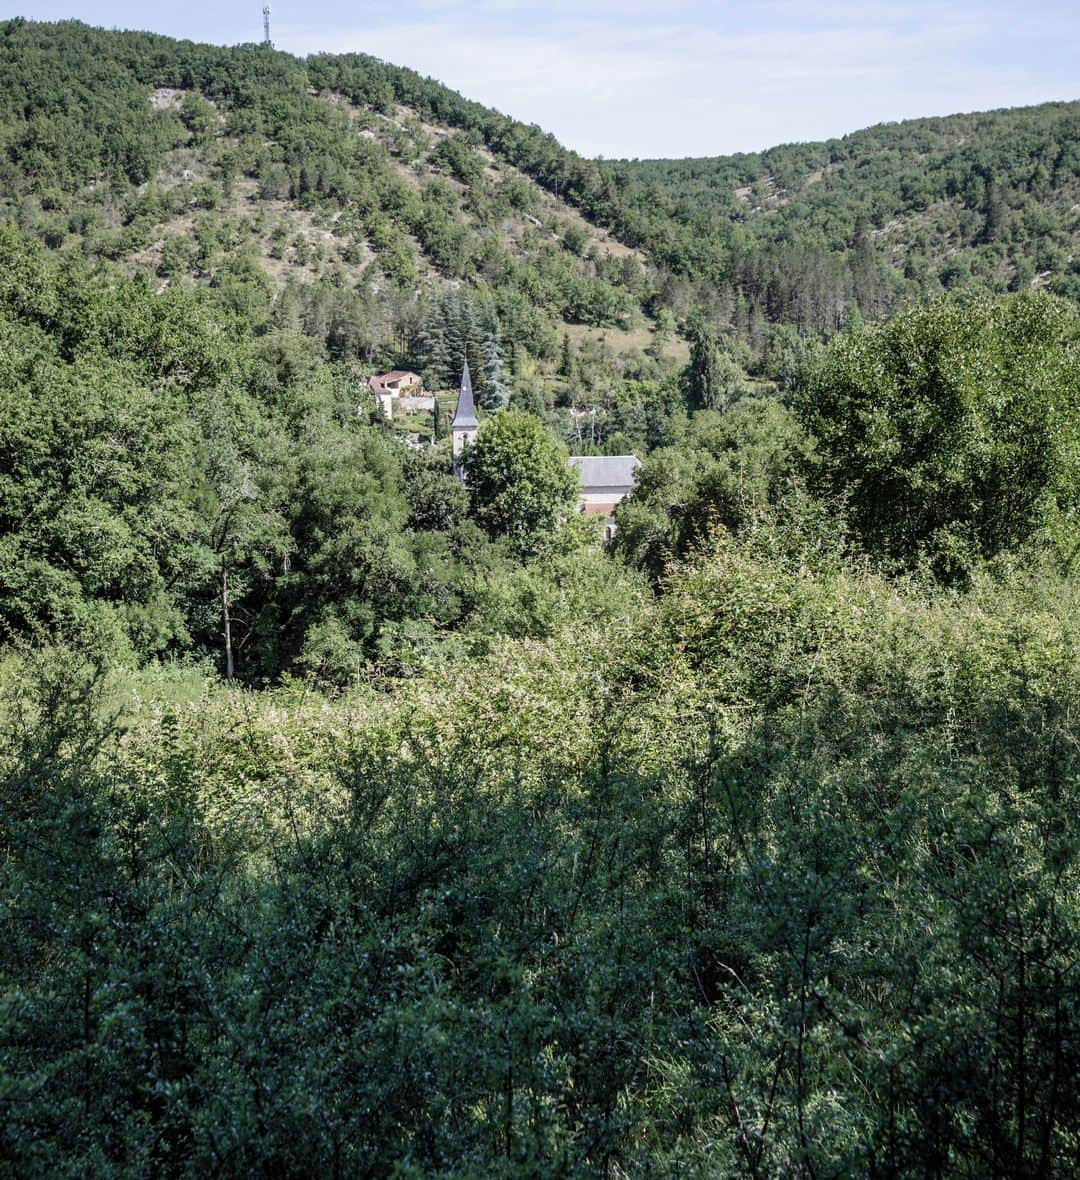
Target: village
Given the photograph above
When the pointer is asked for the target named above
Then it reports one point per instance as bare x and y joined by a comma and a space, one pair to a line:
604, 480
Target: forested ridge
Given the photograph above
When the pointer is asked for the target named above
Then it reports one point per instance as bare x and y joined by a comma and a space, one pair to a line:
921, 206
357, 820
324, 192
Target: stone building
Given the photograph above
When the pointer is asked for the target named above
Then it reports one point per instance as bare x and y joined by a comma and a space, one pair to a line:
605, 480
400, 387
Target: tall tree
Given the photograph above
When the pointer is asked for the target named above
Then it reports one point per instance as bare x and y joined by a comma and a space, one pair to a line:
520, 483
954, 430
246, 534
493, 393
435, 353
712, 376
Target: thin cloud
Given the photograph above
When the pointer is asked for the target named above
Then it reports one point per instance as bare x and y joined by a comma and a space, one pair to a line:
699, 77
678, 89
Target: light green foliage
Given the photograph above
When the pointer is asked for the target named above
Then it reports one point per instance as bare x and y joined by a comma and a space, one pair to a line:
726, 471
777, 873
571, 579
520, 484
955, 429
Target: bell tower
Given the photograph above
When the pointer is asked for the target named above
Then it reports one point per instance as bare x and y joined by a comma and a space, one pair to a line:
465, 423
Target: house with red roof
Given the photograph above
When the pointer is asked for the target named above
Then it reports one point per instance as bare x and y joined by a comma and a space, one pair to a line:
388, 387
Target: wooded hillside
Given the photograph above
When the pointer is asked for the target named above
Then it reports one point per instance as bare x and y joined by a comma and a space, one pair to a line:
358, 820
322, 193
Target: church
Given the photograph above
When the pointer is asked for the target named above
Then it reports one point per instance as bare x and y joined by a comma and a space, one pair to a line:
604, 480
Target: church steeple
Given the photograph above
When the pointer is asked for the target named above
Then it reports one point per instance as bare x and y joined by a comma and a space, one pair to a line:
465, 423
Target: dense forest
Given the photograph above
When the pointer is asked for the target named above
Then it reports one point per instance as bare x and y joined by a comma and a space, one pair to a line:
358, 820
921, 206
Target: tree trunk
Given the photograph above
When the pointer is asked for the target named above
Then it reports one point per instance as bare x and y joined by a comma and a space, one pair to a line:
226, 623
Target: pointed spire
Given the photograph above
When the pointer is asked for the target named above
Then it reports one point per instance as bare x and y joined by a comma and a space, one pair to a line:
465, 415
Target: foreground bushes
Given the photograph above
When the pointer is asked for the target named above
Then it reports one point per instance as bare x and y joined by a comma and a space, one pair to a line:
776, 875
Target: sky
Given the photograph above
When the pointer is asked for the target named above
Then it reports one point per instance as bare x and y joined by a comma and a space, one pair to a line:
621, 78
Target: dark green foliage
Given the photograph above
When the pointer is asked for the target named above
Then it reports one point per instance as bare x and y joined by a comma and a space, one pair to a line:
705, 377
102, 392
763, 861
456, 156
168, 485
954, 431
713, 379
776, 875
799, 235
802, 230
233, 157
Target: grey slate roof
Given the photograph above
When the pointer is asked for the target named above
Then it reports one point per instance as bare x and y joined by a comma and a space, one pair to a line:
465, 415
605, 471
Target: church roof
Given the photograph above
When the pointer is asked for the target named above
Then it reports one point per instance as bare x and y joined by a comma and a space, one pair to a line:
465, 415
605, 471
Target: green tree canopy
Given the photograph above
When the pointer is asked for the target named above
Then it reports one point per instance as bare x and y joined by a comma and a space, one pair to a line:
713, 379
519, 481
727, 470
955, 429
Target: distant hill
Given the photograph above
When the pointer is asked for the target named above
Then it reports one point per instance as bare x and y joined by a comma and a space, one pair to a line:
902, 208
394, 221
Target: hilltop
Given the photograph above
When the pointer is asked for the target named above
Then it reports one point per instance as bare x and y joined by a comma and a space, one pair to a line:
895, 211
391, 220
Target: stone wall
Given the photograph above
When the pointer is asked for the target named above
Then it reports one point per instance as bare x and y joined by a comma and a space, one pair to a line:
409, 405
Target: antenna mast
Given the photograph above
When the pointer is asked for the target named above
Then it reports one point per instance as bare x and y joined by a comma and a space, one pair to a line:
266, 25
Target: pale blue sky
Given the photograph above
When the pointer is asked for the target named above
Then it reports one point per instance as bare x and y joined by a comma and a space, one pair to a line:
676, 78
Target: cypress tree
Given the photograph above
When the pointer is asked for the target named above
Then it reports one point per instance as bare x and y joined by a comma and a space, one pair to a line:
704, 375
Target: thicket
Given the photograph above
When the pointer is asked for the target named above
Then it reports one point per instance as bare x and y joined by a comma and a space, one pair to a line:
775, 874
746, 847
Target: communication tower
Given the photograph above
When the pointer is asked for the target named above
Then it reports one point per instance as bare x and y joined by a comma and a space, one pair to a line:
266, 25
